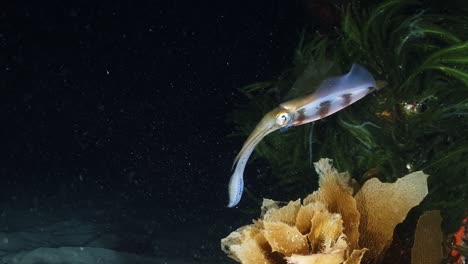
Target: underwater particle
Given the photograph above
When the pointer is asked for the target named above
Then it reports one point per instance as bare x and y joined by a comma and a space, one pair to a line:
383, 206
409, 166
427, 246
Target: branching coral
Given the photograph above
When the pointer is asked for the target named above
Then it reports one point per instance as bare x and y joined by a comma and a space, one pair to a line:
331, 225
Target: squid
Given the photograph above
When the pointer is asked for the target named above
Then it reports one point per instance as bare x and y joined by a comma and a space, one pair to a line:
331, 96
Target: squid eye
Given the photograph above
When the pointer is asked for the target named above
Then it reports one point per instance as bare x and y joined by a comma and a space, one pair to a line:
282, 119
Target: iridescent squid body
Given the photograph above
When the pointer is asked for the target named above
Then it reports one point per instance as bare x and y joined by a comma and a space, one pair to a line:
331, 96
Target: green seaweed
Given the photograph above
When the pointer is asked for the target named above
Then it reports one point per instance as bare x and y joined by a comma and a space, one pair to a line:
418, 121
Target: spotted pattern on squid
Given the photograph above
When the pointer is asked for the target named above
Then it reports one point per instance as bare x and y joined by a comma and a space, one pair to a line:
324, 109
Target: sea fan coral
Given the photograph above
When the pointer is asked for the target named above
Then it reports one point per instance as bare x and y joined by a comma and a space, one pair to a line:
331, 225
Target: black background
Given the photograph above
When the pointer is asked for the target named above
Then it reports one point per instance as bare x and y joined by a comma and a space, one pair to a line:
132, 96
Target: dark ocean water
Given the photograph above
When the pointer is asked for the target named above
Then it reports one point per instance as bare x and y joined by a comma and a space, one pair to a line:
114, 131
